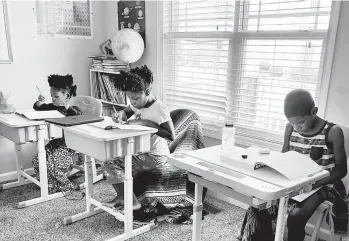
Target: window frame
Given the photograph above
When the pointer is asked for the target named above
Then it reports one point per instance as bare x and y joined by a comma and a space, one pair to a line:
246, 136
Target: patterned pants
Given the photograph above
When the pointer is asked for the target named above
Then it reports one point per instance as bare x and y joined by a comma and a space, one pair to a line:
58, 160
114, 170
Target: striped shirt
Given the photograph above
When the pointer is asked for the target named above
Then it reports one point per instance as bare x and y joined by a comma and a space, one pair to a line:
314, 146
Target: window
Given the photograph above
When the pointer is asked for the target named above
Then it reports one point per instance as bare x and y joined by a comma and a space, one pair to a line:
236, 61
5, 40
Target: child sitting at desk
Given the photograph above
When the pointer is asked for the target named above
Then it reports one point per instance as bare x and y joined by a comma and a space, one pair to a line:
148, 111
322, 141
58, 156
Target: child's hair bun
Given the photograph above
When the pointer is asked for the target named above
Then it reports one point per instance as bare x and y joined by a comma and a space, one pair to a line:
73, 91
60, 81
137, 79
144, 72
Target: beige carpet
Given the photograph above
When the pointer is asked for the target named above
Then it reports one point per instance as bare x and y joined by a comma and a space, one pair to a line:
44, 221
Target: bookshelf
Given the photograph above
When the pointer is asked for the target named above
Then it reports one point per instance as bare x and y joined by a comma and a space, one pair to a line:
103, 89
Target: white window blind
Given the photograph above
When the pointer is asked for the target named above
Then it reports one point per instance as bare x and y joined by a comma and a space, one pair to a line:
236, 61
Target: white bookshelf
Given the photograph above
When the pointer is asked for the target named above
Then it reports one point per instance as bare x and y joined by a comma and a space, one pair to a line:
107, 105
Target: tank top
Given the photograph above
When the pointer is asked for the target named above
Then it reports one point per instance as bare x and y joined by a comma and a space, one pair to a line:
314, 146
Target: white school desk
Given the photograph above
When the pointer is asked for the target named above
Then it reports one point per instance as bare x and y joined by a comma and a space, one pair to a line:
258, 188
21, 130
105, 145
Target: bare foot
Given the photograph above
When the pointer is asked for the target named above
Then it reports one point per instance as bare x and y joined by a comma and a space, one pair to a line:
118, 202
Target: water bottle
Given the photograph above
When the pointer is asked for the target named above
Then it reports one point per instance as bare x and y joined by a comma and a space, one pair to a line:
228, 139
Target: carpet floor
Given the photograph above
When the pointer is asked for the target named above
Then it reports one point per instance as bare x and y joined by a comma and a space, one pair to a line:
44, 221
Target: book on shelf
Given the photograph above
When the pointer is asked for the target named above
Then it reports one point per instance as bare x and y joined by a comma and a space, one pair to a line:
105, 89
291, 164
107, 62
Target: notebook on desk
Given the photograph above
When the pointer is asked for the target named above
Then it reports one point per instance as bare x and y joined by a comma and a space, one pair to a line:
75, 120
39, 115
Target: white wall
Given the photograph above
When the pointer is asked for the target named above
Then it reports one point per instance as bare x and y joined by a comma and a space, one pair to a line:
37, 57
338, 98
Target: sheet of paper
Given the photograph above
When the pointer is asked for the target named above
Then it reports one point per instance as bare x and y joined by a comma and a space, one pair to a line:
293, 165
303, 196
110, 122
40, 115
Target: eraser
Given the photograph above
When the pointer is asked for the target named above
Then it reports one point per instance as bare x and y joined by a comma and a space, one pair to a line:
264, 151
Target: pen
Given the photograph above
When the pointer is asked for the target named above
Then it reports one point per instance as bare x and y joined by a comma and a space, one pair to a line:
39, 90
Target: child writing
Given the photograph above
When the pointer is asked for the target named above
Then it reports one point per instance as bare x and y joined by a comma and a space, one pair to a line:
323, 142
148, 111
58, 156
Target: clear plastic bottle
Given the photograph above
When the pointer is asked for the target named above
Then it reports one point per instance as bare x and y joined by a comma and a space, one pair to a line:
228, 139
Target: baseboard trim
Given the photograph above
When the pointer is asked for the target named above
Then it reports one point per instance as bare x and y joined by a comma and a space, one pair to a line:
227, 199
13, 175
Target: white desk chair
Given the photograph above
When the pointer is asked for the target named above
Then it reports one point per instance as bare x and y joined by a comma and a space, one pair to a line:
89, 106
323, 209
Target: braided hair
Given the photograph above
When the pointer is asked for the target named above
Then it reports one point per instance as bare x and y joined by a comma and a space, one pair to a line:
136, 80
62, 82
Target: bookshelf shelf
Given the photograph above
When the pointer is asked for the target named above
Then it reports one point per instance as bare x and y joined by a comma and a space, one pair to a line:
103, 89
104, 71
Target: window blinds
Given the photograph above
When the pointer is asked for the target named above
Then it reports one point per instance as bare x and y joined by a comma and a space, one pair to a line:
236, 61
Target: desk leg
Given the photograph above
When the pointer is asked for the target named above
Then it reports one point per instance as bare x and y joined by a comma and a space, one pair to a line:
42, 162
281, 219
90, 211
197, 213
43, 173
96, 178
128, 186
19, 164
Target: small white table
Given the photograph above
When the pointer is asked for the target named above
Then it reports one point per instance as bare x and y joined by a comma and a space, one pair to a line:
21, 130
258, 188
105, 145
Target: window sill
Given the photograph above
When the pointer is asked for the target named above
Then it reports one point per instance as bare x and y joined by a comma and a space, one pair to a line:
247, 139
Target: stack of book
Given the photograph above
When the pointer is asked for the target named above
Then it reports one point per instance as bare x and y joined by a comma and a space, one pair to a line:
113, 65
106, 90
97, 64
107, 62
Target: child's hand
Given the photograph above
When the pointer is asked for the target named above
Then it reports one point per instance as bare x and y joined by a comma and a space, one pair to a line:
41, 98
117, 117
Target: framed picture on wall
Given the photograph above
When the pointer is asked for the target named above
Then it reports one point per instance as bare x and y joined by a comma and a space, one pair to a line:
64, 18
5, 38
131, 14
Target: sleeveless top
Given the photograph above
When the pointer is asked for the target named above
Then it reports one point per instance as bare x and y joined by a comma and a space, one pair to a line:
314, 146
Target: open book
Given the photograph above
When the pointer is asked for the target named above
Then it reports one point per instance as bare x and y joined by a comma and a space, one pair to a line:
292, 165
40, 115
110, 122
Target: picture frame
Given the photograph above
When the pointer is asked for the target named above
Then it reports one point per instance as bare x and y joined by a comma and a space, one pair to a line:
64, 19
6, 56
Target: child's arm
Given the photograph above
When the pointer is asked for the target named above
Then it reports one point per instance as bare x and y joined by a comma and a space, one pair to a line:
40, 104
165, 130
336, 140
287, 135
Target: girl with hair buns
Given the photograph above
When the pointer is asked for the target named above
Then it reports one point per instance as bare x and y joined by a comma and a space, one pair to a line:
58, 156
146, 110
